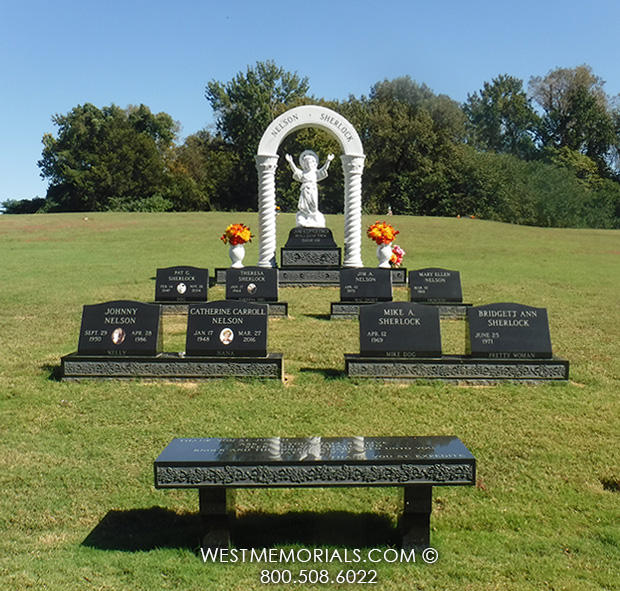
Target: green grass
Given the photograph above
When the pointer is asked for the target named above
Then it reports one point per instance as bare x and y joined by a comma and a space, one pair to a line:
79, 509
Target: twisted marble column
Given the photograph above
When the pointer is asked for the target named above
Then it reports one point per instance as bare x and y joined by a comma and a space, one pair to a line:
352, 167
266, 166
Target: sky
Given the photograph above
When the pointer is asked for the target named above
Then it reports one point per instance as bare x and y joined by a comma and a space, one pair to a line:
55, 55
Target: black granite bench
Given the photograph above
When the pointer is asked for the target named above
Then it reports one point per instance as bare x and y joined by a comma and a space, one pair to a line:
217, 466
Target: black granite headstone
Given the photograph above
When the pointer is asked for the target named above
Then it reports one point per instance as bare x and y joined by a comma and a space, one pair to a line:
434, 285
310, 238
252, 284
227, 328
508, 331
181, 284
399, 329
366, 285
120, 328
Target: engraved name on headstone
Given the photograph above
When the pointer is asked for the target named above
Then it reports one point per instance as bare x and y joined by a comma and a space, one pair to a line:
120, 327
255, 284
310, 238
366, 285
227, 329
508, 331
434, 285
181, 284
400, 329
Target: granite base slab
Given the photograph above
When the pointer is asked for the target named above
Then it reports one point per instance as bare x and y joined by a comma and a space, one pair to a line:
276, 309
169, 366
307, 277
460, 369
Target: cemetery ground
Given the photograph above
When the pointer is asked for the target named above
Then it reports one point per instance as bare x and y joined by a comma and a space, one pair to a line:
79, 510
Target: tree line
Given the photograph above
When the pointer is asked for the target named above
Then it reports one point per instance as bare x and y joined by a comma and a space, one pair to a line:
548, 155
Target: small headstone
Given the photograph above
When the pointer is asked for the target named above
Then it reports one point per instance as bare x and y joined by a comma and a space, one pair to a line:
181, 284
227, 329
252, 284
399, 329
434, 285
120, 328
366, 285
508, 331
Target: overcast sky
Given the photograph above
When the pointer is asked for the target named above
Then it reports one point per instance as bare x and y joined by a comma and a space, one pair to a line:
57, 54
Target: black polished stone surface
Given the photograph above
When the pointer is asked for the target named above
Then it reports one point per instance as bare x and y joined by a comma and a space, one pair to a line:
315, 238
508, 331
121, 327
368, 284
435, 285
399, 329
252, 284
181, 284
227, 328
303, 450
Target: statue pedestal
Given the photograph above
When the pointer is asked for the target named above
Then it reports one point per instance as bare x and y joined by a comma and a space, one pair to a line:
310, 248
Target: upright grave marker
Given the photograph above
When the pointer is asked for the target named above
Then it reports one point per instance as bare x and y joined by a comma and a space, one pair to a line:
438, 287
506, 342
120, 327
181, 284
509, 331
359, 287
121, 340
255, 284
399, 329
227, 329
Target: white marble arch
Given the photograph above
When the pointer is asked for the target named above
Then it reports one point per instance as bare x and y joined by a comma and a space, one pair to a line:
352, 164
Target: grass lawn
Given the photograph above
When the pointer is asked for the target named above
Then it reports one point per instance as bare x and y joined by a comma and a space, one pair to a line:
78, 508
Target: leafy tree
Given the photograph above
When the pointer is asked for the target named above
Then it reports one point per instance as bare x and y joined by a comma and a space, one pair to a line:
243, 108
501, 118
104, 154
576, 113
410, 137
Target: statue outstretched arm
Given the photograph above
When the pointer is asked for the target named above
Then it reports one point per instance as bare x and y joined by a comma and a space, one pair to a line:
325, 166
291, 162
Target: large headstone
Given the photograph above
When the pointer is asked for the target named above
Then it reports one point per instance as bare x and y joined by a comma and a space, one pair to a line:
227, 328
252, 284
399, 329
434, 285
181, 284
508, 331
121, 327
310, 248
366, 285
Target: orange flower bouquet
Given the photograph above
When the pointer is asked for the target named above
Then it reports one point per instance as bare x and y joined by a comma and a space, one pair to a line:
382, 233
236, 234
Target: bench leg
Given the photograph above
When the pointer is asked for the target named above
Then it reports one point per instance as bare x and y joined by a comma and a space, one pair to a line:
415, 523
216, 511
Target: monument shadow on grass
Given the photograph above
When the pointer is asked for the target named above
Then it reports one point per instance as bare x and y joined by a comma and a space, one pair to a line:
140, 530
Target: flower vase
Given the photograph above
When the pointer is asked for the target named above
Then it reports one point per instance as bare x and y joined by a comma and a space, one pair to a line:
384, 254
236, 252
